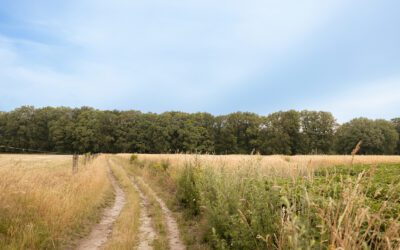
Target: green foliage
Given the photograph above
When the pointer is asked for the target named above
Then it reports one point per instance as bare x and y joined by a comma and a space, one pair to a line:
187, 193
317, 132
245, 209
396, 122
165, 165
237, 133
237, 212
2, 127
280, 133
133, 158
160, 166
378, 136
85, 129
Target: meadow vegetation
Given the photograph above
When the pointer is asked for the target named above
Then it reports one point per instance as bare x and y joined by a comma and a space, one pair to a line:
280, 202
220, 202
43, 205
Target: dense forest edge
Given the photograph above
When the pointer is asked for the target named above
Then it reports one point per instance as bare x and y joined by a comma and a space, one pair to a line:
85, 129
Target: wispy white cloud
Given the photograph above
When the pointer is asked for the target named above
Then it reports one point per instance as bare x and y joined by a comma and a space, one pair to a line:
156, 55
143, 47
379, 99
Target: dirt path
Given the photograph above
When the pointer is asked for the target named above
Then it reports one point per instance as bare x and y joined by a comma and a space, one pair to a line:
147, 233
102, 230
175, 242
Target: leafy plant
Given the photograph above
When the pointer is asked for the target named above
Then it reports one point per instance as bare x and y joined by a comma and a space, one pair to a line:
188, 194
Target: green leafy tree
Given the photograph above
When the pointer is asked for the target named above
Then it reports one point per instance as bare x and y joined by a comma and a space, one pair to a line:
280, 133
157, 134
225, 140
317, 132
61, 130
130, 132
86, 131
390, 135
378, 136
396, 122
3, 120
107, 130
19, 128
186, 132
237, 133
204, 125
41, 123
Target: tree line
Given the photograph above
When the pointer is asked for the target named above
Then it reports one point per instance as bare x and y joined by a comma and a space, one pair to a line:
80, 130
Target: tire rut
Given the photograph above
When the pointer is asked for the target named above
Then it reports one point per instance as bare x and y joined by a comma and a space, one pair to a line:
101, 231
147, 233
175, 242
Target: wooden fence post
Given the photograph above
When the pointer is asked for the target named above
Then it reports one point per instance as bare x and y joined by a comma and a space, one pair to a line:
75, 159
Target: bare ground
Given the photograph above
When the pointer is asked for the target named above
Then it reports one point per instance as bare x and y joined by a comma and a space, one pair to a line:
175, 242
101, 231
147, 233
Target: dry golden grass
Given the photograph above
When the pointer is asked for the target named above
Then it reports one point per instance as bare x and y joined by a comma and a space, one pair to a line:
271, 160
43, 205
272, 165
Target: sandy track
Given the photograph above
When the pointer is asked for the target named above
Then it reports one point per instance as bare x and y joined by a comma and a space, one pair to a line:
175, 242
102, 230
147, 233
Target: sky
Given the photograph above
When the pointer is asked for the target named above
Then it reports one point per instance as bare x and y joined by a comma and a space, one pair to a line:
202, 55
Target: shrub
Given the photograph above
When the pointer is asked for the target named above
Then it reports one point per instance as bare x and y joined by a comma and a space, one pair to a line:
158, 167
188, 194
164, 165
133, 158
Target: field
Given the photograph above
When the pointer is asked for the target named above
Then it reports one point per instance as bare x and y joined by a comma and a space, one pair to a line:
183, 201
42, 205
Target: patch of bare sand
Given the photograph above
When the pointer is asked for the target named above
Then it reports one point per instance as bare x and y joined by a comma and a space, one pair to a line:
174, 239
102, 230
147, 233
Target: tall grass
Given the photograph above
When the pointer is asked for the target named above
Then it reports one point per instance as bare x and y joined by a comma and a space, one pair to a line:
282, 202
43, 205
270, 161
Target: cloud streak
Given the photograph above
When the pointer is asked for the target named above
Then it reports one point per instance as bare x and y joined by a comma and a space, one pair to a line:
193, 56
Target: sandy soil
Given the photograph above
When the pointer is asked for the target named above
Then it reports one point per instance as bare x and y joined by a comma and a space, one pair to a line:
175, 241
102, 230
147, 233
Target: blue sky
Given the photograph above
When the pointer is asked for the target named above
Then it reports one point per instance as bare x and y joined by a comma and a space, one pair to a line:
214, 56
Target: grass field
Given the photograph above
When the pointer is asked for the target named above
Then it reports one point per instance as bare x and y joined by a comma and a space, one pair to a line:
220, 202
281, 202
43, 205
